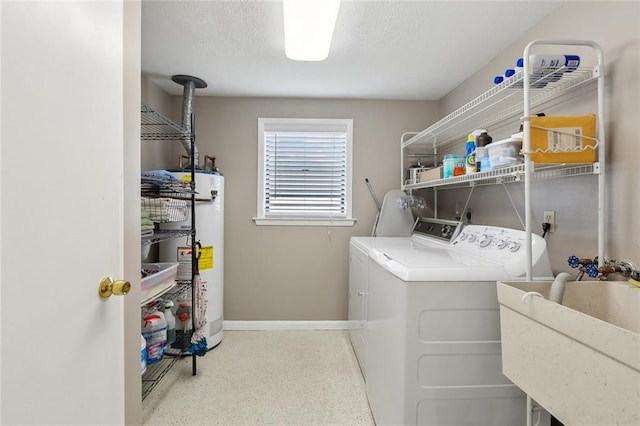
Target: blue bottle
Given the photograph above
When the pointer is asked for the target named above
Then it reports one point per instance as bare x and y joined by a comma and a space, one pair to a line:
470, 157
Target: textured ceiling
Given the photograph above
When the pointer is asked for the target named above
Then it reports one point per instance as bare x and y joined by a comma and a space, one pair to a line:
381, 49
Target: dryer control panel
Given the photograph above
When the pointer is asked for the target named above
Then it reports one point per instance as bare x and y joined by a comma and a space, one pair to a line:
442, 230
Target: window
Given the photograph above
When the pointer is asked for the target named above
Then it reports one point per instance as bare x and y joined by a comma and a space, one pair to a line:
304, 172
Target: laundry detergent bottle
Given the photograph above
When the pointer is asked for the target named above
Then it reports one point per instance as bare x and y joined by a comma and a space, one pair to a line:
171, 322
470, 156
154, 331
182, 314
143, 354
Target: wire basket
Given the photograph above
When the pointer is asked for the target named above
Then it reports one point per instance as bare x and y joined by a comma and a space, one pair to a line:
163, 210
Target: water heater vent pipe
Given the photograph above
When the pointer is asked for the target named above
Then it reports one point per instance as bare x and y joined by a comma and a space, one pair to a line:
190, 85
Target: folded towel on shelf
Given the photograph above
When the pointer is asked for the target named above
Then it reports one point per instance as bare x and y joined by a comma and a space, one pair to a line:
146, 222
144, 214
146, 225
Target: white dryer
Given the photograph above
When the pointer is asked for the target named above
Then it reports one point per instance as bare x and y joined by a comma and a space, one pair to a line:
432, 338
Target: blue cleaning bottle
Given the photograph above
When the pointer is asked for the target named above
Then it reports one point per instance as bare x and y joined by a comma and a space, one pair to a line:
470, 157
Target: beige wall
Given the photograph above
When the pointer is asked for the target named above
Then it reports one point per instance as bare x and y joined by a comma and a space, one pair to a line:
615, 26
296, 273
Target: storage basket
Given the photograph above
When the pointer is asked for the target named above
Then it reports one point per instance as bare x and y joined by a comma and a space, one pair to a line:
163, 210
158, 274
504, 153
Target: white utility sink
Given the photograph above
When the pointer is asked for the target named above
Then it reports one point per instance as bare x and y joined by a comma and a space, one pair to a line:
579, 360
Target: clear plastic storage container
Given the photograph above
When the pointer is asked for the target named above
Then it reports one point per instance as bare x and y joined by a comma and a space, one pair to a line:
159, 273
504, 153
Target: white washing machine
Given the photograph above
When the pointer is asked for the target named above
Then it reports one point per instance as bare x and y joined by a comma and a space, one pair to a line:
432, 336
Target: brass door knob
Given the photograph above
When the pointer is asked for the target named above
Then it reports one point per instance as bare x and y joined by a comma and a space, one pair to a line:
109, 286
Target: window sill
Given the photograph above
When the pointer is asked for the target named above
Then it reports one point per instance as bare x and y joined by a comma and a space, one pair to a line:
287, 221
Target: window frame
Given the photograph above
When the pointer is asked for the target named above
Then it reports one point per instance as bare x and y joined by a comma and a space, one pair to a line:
304, 125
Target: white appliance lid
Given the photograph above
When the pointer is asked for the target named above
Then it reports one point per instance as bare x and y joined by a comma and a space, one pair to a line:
478, 253
419, 263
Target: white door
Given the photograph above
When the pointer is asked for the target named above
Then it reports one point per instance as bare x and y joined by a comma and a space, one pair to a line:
70, 98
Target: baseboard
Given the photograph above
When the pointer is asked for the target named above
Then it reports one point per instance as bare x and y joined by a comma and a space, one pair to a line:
286, 325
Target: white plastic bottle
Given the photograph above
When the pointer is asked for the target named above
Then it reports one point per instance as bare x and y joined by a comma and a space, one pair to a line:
143, 354
510, 72
550, 68
154, 330
184, 329
544, 69
171, 322
551, 62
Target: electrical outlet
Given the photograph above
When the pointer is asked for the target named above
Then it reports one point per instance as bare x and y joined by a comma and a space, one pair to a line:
550, 218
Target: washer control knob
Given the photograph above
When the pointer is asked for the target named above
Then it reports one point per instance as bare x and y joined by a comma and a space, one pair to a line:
463, 236
447, 231
484, 241
502, 244
514, 247
472, 238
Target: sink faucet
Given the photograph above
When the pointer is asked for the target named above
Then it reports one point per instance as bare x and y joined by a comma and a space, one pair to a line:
606, 270
623, 267
590, 267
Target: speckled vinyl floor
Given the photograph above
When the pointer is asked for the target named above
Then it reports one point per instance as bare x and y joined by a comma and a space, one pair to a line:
265, 378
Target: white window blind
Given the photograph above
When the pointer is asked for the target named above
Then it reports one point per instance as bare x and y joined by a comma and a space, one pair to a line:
305, 174
305, 169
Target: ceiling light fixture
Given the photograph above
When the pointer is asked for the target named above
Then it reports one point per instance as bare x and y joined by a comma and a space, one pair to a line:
308, 28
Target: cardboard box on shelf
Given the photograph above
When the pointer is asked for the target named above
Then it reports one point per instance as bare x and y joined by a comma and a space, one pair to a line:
561, 139
429, 175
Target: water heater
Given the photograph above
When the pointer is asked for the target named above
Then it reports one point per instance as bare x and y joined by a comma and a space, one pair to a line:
210, 234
